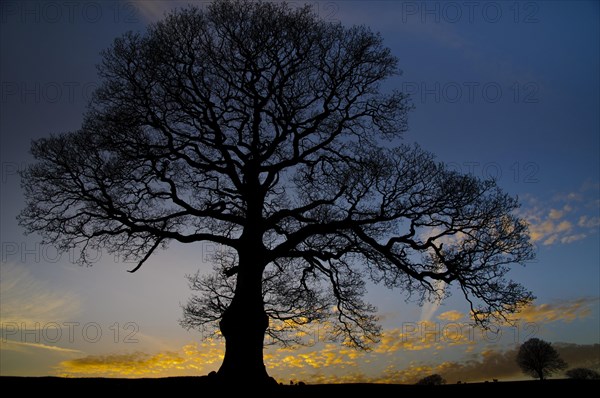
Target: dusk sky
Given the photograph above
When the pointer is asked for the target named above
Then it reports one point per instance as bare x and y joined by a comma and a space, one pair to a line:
505, 90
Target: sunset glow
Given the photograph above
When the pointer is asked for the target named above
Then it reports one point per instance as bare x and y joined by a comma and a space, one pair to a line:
512, 96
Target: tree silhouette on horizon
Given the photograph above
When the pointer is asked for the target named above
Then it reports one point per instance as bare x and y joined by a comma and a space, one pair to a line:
537, 358
268, 131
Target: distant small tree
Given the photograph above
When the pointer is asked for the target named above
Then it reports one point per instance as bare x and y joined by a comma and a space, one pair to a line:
538, 358
582, 374
432, 380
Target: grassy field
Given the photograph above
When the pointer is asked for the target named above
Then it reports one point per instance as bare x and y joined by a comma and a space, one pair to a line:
201, 387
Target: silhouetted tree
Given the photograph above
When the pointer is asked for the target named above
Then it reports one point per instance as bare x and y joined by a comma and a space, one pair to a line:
582, 374
432, 380
266, 131
538, 358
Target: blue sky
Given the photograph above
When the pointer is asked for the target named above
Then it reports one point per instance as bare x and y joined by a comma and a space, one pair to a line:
502, 89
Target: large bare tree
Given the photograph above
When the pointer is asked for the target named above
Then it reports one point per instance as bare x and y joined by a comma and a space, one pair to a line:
267, 131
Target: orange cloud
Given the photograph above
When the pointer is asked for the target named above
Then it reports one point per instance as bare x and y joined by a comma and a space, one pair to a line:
417, 336
327, 365
565, 311
550, 230
192, 359
451, 316
329, 356
558, 222
454, 331
122, 365
333, 363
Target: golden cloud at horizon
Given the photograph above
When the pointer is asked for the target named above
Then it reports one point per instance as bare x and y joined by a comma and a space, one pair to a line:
333, 363
322, 366
191, 359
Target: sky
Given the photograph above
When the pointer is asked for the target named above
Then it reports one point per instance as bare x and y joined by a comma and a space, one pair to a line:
505, 90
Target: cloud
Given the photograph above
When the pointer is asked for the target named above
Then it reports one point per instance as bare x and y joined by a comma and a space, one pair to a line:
23, 346
122, 365
191, 359
548, 230
565, 218
326, 364
425, 335
579, 356
331, 355
490, 364
572, 238
429, 308
388, 362
28, 300
453, 331
451, 315
589, 222
564, 311
487, 365
556, 214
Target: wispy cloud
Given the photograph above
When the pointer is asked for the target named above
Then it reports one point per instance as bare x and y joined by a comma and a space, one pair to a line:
28, 300
23, 346
429, 308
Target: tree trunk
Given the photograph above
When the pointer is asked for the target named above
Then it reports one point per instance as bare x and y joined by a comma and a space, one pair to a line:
540, 374
243, 326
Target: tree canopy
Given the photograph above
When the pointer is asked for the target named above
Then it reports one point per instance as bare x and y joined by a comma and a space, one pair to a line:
538, 358
431, 380
582, 374
273, 134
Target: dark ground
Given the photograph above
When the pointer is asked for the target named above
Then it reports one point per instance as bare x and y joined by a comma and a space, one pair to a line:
200, 387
